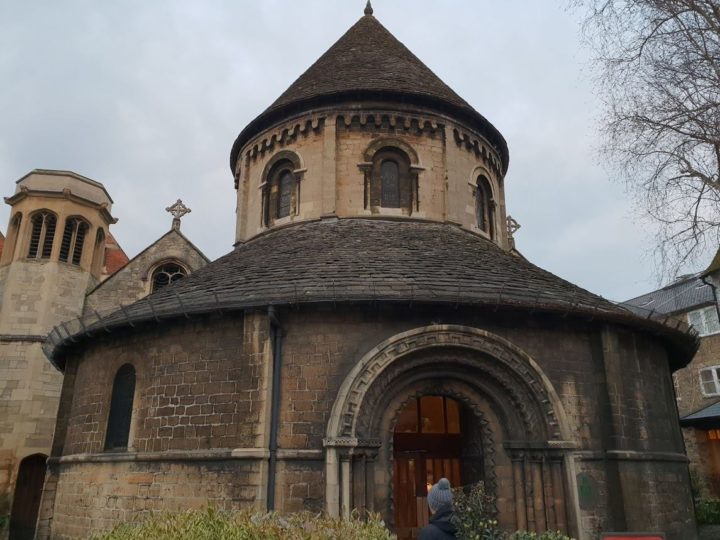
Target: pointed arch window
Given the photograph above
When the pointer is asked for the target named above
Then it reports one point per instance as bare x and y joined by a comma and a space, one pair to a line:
484, 205
121, 404
167, 273
281, 192
73, 240
42, 234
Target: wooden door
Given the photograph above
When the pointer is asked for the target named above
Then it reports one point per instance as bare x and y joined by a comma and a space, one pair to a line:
427, 447
26, 500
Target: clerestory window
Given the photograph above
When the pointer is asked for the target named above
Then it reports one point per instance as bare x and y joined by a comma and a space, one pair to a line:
280, 193
392, 183
42, 234
484, 205
166, 274
73, 240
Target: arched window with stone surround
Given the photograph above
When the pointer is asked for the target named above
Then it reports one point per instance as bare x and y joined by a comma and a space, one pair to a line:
117, 435
42, 234
484, 205
73, 240
280, 193
391, 182
167, 273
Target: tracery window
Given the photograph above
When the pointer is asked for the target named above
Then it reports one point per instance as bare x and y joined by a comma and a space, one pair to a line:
121, 404
484, 205
73, 240
390, 181
281, 192
166, 274
42, 235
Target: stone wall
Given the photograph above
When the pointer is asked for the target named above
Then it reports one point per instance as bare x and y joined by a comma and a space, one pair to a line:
133, 281
35, 296
204, 385
331, 146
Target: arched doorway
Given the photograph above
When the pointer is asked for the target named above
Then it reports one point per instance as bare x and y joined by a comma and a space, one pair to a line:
513, 430
427, 446
26, 500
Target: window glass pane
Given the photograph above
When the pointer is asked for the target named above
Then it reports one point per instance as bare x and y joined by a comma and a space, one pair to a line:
695, 319
287, 183
710, 388
453, 415
408, 420
390, 184
706, 375
432, 417
711, 320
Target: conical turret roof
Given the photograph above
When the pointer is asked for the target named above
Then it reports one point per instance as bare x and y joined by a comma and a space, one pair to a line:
368, 62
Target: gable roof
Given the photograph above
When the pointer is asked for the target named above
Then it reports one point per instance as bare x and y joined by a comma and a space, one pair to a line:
130, 261
370, 260
369, 62
682, 295
707, 417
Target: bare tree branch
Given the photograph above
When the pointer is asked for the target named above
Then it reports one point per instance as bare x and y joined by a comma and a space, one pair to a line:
658, 69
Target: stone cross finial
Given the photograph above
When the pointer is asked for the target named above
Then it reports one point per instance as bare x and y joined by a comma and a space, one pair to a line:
368, 8
178, 210
512, 227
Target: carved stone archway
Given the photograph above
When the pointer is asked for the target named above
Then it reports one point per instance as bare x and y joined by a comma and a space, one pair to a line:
479, 367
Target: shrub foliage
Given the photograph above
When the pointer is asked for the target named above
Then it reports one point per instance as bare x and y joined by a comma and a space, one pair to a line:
707, 511
210, 524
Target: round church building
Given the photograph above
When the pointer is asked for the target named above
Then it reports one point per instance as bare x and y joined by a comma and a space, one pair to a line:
373, 330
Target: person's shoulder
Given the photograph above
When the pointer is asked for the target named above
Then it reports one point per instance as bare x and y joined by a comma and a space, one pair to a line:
426, 533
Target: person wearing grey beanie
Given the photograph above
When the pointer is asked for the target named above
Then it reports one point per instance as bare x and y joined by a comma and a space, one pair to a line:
440, 501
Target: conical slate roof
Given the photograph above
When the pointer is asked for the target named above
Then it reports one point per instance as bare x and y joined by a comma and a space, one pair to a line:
359, 260
368, 62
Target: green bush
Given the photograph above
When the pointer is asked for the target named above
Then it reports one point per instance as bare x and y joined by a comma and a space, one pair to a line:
210, 524
474, 514
474, 518
707, 511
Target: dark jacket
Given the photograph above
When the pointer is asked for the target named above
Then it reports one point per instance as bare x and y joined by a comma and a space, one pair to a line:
439, 527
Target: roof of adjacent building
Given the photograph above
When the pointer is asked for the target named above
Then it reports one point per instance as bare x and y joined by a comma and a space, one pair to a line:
368, 62
684, 294
708, 417
375, 260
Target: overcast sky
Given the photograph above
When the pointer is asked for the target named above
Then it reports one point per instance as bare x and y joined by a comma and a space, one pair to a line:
147, 97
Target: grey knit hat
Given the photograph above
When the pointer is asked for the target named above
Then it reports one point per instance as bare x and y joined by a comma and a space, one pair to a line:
440, 495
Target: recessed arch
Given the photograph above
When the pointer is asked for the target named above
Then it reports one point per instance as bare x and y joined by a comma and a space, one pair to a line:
343, 418
43, 224
494, 380
27, 495
390, 142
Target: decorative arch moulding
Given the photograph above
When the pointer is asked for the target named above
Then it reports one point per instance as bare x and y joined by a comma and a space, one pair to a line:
343, 419
284, 135
476, 145
376, 120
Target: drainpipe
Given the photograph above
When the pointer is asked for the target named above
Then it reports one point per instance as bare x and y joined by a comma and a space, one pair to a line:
276, 337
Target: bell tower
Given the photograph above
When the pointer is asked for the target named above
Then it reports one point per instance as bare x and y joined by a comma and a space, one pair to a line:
53, 253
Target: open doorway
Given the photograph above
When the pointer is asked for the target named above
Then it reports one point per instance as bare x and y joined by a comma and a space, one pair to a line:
427, 446
26, 500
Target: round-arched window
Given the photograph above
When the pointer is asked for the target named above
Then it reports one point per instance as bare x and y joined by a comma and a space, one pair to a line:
166, 274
